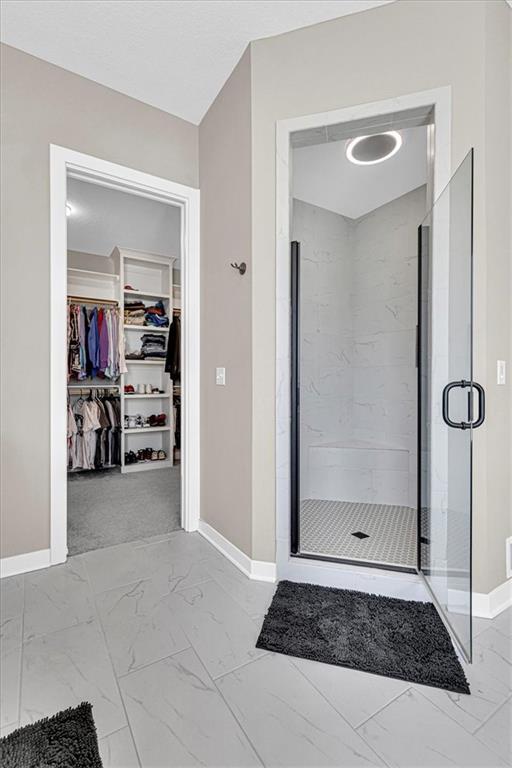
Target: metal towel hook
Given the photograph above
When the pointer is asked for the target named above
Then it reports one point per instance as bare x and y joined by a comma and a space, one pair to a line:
242, 268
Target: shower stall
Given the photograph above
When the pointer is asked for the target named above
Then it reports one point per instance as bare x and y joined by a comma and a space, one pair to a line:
355, 308
379, 344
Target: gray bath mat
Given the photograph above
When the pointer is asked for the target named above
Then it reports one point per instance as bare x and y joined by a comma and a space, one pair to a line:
66, 740
383, 635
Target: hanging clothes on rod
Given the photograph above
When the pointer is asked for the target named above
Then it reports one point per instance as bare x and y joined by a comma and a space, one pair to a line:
177, 421
94, 431
95, 340
173, 355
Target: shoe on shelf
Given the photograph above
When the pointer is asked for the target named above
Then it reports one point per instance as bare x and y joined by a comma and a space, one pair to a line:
162, 455
157, 421
130, 458
154, 456
148, 452
129, 389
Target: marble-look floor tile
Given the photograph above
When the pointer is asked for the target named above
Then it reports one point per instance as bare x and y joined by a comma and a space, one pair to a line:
56, 598
179, 719
490, 681
11, 597
220, 631
181, 546
174, 566
139, 625
503, 622
480, 625
67, 667
497, 642
253, 596
118, 750
288, 721
411, 731
355, 695
152, 539
496, 733
5, 730
116, 566
10, 670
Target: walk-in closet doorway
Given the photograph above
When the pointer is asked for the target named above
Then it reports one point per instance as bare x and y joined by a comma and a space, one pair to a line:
70, 170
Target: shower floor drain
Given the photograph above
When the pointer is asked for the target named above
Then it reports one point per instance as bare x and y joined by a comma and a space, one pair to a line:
360, 535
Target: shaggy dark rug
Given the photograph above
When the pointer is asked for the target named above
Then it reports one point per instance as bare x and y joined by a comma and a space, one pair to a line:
382, 635
66, 740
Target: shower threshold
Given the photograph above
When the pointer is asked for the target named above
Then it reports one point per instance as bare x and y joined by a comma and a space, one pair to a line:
379, 535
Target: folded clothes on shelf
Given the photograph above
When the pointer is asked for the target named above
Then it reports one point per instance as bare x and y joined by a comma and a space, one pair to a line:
153, 345
156, 320
156, 309
156, 315
136, 313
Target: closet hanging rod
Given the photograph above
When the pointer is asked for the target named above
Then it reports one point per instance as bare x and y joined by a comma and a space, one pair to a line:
89, 300
93, 386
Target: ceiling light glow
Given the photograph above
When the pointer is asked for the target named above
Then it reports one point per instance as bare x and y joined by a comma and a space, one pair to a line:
373, 149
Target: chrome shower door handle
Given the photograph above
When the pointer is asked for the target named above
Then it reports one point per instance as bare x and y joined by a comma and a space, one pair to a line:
463, 384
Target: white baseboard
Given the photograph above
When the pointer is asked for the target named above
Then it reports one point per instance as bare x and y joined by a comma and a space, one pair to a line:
31, 561
487, 606
259, 570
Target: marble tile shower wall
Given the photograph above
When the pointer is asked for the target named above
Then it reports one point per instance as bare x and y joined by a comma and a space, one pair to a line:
325, 328
358, 376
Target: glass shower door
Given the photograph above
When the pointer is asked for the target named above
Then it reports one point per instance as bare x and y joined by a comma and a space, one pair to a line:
451, 404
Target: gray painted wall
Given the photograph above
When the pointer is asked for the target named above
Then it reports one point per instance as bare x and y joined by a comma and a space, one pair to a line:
43, 104
427, 45
225, 180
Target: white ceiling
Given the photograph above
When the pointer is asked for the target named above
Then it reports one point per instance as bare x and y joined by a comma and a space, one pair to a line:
323, 176
173, 55
102, 218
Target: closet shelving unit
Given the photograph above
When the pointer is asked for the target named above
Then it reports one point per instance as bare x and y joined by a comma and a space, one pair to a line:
151, 279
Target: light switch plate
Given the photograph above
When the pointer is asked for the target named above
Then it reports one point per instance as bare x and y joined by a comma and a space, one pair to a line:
220, 377
501, 372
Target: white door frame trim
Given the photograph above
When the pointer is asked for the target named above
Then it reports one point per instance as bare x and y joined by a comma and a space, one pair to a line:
66, 162
302, 569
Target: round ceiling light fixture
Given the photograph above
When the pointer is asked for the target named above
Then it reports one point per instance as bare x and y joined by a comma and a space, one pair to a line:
69, 209
369, 150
